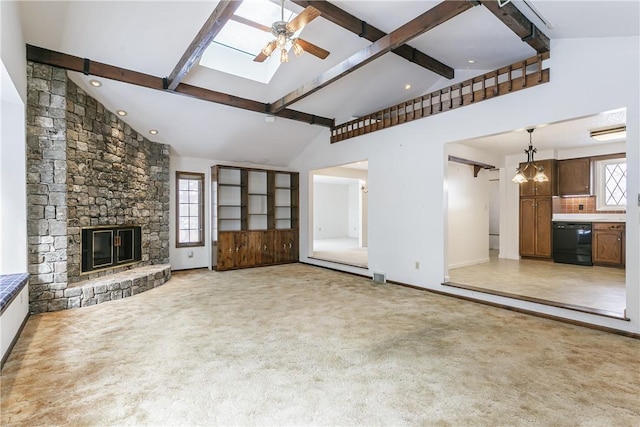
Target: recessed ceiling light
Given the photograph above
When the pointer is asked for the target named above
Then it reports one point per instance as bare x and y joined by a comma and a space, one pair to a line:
153, 132
407, 86
471, 61
95, 83
121, 113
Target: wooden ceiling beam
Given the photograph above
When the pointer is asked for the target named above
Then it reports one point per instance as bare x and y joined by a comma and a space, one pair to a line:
428, 20
511, 16
216, 21
357, 26
88, 67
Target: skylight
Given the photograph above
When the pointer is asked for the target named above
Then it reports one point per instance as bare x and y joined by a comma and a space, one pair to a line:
233, 49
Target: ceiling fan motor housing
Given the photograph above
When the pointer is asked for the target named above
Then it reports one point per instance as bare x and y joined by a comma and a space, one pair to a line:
280, 27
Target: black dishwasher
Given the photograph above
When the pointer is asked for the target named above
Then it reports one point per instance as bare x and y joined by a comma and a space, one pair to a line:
572, 243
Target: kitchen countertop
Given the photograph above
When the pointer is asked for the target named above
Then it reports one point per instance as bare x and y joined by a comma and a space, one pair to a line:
590, 217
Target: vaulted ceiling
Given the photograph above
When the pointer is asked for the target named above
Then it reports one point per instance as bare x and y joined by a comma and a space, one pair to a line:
152, 36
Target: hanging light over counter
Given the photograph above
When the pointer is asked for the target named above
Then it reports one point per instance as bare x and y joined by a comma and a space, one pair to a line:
530, 171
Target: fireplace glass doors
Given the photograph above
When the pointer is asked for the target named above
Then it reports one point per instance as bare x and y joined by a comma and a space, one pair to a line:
106, 247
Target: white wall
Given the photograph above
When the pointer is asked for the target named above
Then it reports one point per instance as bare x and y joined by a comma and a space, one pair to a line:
330, 210
13, 186
494, 209
12, 46
353, 226
13, 180
12, 320
180, 258
468, 220
408, 180
191, 257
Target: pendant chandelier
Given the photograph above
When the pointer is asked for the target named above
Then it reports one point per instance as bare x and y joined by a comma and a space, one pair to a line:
530, 171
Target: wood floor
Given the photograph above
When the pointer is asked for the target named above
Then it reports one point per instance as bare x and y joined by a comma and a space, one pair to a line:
600, 290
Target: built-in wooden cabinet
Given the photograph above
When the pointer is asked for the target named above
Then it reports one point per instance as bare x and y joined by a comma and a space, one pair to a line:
548, 188
574, 177
254, 217
608, 244
535, 227
536, 211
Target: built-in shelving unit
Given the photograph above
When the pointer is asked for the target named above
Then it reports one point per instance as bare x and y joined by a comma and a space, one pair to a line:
254, 217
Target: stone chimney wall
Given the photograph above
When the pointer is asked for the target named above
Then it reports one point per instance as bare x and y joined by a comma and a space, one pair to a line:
85, 167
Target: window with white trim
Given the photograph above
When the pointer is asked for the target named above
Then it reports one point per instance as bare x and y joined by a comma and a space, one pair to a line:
190, 209
611, 184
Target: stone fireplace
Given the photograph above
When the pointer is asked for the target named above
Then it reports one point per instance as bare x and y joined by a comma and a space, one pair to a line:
88, 170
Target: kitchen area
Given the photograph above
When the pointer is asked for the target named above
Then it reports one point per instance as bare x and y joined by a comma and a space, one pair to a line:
562, 223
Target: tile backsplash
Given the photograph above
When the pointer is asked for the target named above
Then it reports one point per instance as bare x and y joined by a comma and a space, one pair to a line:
571, 205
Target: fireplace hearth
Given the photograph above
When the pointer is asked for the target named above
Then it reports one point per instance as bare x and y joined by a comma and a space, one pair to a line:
108, 247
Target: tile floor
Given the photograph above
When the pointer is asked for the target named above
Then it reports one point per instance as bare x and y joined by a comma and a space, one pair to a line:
599, 288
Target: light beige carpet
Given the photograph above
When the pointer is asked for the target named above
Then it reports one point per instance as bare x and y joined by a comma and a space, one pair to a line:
299, 345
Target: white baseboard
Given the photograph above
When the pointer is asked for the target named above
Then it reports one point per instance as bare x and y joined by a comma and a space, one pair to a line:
469, 263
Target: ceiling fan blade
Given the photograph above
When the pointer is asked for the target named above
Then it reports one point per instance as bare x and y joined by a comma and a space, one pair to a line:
307, 15
261, 56
313, 49
250, 23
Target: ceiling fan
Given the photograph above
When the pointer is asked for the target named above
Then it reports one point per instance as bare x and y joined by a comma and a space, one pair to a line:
283, 32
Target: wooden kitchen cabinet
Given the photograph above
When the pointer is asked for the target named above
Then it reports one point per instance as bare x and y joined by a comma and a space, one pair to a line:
535, 227
254, 217
608, 244
574, 177
536, 212
547, 188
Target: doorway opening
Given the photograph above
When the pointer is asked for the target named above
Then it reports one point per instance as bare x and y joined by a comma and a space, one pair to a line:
340, 214
486, 251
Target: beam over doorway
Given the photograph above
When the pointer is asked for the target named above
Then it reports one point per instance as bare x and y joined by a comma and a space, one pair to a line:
428, 20
357, 26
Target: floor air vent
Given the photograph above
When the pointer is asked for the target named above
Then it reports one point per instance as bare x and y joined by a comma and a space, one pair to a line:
379, 277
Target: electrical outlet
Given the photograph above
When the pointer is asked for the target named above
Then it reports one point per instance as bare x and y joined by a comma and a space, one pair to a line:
417, 265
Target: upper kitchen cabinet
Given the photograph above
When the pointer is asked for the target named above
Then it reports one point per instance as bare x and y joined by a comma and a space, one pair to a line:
574, 177
547, 188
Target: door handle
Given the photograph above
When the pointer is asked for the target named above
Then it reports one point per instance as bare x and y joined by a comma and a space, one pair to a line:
237, 249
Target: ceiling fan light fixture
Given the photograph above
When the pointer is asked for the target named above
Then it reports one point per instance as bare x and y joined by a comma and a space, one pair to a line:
269, 48
281, 41
284, 56
283, 33
297, 49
